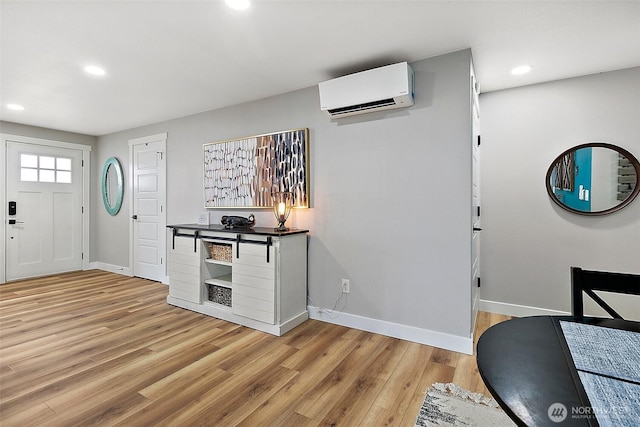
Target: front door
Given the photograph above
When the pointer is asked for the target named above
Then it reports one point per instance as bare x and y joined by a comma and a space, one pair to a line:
148, 215
44, 210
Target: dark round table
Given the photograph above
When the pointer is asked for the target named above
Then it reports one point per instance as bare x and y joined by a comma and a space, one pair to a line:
526, 365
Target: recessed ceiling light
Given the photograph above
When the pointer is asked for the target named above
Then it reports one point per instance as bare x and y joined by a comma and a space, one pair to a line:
238, 4
96, 71
15, 107
522, 69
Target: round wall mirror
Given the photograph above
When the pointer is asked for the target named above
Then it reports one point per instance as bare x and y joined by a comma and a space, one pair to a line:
593, 179
112, 185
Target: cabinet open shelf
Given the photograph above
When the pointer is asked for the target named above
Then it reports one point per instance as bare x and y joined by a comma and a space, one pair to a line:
224, 281
217, 306
215, 261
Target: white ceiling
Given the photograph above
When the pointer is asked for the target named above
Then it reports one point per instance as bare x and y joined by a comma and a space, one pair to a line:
168, 59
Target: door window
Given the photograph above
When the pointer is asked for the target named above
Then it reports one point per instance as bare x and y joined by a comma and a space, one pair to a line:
35, 168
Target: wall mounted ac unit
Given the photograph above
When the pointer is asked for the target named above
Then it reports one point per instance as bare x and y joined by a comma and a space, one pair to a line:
383, 88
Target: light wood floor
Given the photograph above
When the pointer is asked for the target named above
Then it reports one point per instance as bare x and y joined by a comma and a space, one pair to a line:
96, 348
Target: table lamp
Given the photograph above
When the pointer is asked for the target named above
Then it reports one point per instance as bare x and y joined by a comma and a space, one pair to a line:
281, 208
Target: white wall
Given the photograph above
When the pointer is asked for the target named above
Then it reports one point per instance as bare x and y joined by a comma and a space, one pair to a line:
44, 133
390, 196
529, 243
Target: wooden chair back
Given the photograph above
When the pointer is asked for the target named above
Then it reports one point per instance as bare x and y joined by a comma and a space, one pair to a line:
586, 281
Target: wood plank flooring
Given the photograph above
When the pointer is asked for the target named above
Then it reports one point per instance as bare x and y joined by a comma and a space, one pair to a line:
97, 348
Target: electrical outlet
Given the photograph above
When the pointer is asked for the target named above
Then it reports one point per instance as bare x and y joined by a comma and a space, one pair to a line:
345, 286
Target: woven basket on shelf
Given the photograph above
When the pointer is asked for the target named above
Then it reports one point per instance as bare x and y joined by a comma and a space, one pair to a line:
219, 295
220, 252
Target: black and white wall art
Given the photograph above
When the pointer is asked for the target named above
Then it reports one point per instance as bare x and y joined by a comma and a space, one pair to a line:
244, 172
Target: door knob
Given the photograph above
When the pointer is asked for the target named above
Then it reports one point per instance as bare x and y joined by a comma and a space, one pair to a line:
134, 217
477, 229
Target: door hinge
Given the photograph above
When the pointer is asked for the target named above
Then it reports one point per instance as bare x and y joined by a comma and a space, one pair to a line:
478, 282
478, 210
160, 260
82, 255
82, 163
83, 209
478, 140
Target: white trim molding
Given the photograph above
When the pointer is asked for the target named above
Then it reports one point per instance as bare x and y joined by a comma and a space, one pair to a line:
409, 333
125, 271
518, 310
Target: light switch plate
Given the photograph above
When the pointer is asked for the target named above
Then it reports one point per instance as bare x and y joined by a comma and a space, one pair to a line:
203, 218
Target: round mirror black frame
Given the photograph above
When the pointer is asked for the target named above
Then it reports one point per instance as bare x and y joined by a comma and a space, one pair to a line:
622, 204
112, 206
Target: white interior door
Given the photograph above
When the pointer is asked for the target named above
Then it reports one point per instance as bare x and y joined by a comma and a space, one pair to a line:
475, 195
44, 228
148, 215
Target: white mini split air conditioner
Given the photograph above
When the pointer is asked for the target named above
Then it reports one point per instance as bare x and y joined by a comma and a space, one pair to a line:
383, 88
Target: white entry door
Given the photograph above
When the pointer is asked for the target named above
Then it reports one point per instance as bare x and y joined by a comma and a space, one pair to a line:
148, 214
44, 217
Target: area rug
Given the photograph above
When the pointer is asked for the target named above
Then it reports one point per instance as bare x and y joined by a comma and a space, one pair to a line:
451, 405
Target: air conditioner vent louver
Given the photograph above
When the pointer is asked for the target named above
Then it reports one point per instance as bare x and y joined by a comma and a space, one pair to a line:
383, 88
362, 107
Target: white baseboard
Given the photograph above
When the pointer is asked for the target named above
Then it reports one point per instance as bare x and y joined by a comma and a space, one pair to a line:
395, 330
125, 271
518, 310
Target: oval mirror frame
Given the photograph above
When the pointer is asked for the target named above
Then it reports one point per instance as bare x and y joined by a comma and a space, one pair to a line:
112, 206
622, 204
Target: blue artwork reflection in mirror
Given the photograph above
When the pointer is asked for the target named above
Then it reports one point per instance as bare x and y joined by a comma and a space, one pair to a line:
572, 179
593, 179
112, 186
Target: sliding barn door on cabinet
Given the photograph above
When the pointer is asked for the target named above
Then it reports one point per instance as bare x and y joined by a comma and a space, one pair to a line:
254, 283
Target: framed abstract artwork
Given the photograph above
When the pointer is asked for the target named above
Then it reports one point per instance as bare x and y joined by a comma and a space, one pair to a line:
564, 172
242, 173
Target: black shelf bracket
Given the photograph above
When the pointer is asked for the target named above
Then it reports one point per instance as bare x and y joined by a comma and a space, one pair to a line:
175, 234
268, 246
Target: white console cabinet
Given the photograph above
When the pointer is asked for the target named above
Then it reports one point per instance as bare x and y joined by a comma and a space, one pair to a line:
256, 277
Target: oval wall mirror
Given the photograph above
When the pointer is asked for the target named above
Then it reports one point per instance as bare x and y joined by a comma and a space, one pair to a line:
593, 179
112, 185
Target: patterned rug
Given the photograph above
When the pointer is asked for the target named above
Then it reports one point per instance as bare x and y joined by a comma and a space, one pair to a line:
451, 405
